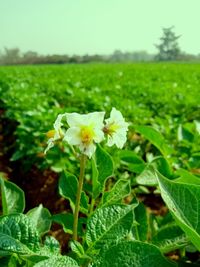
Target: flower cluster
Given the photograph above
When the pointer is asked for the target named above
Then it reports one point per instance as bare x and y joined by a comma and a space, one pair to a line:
86, 130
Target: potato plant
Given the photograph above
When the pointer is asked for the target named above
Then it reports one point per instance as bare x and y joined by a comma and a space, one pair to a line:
114, 228
111, 169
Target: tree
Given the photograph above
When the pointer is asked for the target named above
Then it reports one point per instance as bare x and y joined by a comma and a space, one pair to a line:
11, 55
168, 48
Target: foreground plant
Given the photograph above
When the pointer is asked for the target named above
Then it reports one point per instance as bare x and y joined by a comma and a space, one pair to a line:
85, 132
113, 229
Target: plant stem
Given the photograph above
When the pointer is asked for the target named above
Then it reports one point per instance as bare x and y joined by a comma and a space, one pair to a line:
78, 196
92, 206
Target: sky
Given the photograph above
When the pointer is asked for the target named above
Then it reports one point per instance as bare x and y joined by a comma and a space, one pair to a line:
97, 26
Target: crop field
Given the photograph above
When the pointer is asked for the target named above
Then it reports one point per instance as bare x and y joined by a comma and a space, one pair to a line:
86, 202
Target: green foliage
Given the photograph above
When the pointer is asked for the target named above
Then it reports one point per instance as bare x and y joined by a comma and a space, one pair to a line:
57, 261
109, 225
154, 137
169, 238
184, 203
41, 219
68, 186
66, 220
134, 253
140, 230
17, 235
13, 199
120, 190
123, 220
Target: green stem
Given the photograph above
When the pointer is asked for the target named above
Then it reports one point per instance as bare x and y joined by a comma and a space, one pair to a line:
92, 206
78, 197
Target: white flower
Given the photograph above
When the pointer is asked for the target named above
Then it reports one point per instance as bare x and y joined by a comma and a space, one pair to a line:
85, 130
116, 129
55, 134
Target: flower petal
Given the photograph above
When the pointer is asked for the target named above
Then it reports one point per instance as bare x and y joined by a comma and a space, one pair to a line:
72, 136
57, 124
99, 135
88, 150
50, 144
74, 119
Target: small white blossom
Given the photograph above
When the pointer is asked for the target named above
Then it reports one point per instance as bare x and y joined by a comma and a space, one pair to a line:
85, 130
55, 134
116, 129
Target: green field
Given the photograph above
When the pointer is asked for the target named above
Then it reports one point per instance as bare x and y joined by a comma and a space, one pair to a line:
165, 96
159, 165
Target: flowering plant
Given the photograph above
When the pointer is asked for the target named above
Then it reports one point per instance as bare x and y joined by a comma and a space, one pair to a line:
85, 132
107, 224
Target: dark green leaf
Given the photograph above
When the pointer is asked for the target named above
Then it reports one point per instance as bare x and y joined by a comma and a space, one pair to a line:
184, 134
140, 230
66, 220
68, 187
154, 137
104, 164
57, 261
120, 190
41, 219
13, 199
18, 235
109, 224
169, 238
134, 254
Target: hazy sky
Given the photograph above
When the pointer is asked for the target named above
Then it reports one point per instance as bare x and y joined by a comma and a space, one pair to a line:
96, 26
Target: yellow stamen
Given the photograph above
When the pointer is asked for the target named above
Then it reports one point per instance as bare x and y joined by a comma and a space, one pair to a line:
87, 134
50, 134
111, 128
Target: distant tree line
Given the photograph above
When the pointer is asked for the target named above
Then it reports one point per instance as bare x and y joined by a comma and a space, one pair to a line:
168, 50
15, 56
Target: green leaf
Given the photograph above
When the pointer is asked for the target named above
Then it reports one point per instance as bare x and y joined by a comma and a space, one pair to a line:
162, 165
184, 134
51, 248
184, 203
52, 244
132, 160
12, 261
169, 238
66, 220
13, 199
41, 219
57, 261
130, 157
134, 254
154, 137
104, 164
68, 187
109, 224
18, 235
120, 190
96, 186
147, 177
77, 248
187, 177
140, 230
